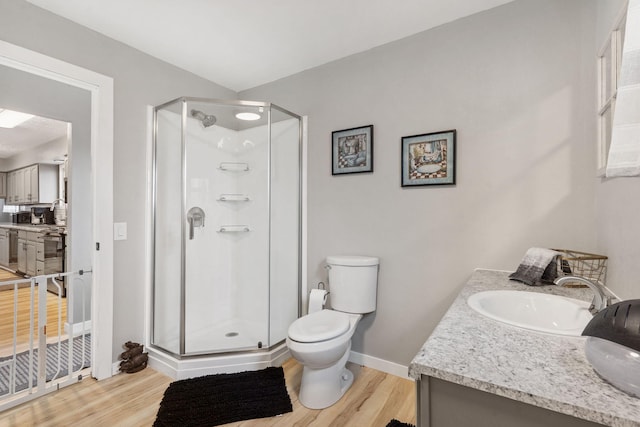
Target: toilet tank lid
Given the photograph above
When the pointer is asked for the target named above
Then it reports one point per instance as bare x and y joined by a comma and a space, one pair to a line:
352, 260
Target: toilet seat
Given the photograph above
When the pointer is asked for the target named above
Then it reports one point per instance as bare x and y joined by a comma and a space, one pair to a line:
320, 326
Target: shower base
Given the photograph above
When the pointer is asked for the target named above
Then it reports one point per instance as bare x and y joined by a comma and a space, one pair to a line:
232, 335
226, 363
222, 337
232, 346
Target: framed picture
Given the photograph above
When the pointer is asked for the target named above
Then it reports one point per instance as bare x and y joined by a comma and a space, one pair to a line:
352, 150
429, 159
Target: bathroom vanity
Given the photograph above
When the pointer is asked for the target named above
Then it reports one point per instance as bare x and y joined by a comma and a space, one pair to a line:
474, 371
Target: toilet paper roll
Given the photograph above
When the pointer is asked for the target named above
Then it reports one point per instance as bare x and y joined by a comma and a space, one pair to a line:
317, 298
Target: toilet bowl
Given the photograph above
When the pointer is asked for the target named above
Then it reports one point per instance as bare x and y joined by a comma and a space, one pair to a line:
321, 340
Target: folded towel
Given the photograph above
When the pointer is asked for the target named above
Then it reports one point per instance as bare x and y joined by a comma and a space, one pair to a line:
538, 265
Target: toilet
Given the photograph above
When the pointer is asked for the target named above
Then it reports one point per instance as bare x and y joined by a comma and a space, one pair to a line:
321, 340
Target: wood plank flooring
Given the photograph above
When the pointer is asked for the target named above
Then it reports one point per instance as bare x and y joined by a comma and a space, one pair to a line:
24, 305
7, 275
133, 400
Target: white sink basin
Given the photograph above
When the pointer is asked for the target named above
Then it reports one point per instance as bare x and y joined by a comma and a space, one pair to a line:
552, 314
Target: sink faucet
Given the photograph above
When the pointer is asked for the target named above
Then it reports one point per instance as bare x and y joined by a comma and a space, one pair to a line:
600, 299
53, 204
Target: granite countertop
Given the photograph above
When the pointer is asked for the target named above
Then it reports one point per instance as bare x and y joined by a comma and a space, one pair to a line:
543, 370
31, 227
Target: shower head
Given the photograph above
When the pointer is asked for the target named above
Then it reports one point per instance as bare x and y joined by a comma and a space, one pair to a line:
206, 119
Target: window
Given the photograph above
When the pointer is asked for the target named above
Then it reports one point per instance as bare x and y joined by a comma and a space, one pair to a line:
609, 60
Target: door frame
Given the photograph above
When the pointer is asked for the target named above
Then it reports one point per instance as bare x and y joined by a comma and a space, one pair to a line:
101, 90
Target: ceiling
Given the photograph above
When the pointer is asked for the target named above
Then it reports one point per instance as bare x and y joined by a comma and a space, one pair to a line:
241, 44
29, 135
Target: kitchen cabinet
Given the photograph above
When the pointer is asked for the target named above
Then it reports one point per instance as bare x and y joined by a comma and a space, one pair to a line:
22, 255
21, 196
31, 258
3, 185
11, 188
27, 241
4, 247
32, 185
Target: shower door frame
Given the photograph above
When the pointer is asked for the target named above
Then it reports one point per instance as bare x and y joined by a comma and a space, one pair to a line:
183, 241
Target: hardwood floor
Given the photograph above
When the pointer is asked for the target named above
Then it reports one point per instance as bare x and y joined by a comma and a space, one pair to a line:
7, 275
24, 304
133, 400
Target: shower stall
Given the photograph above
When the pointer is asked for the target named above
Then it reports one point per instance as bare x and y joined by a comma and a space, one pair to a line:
226, 228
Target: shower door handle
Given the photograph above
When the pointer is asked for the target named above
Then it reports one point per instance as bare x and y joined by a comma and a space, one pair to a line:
195, 217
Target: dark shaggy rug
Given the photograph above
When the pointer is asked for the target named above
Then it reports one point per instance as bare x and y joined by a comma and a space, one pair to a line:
396, 423
213, 400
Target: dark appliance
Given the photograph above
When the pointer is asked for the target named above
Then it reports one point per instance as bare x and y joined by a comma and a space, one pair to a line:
42, 216
13, 249
54, 259
22, 217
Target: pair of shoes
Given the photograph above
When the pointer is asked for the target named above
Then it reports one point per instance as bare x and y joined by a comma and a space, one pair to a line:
133, 359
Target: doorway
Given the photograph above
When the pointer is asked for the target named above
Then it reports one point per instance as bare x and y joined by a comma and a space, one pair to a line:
99, 223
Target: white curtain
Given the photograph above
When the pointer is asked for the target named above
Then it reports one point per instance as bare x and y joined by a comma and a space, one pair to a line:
624, 153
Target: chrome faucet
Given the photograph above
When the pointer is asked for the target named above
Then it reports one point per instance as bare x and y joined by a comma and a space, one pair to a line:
600, 298
53, 204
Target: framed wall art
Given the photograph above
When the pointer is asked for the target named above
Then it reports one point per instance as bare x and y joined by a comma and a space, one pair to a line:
352, 150
429, 159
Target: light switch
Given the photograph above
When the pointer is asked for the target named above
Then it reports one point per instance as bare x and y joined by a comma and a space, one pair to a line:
119, 231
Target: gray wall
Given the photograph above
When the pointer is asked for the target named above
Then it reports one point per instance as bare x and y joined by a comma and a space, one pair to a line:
617, 202
139, 81
518, 83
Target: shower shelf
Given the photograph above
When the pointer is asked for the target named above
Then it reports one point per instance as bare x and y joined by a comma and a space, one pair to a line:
233, 198
234, 229
234, 166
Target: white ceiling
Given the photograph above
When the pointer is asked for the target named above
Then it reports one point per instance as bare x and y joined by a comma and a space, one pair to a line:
241, 44
29, 135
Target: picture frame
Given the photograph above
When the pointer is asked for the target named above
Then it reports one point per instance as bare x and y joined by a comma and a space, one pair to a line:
352, 150
429, 159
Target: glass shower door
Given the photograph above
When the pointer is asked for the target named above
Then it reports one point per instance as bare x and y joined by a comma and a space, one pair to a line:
226, 229
167, 271
285, 182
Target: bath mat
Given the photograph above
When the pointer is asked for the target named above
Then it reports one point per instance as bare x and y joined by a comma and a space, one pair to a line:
213, 400
396, 423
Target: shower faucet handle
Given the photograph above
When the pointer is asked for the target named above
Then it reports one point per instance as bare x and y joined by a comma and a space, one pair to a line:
195, 217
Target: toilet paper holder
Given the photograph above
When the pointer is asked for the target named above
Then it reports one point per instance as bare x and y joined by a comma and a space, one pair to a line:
322, 286
317, 298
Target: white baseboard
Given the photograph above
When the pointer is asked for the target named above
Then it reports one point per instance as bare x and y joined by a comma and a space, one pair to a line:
115, 368
380, 364
163, 364
77, 328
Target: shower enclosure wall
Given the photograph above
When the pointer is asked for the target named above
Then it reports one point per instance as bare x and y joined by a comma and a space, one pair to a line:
226, 192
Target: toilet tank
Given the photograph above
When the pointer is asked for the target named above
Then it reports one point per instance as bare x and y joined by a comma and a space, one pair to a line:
353, 283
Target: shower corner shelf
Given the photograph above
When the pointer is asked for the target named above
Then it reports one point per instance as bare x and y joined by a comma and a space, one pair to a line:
234, 229
233, 198
234, 166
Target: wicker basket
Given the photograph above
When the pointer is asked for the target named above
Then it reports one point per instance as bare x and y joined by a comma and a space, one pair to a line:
576, 263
